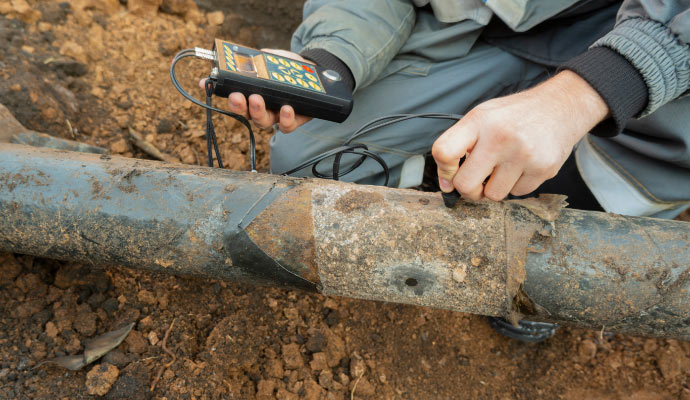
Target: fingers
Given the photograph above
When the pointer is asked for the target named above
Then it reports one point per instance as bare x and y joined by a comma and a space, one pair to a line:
262, 117
238, 104
502, 181
526, 185
450, 147
469, 180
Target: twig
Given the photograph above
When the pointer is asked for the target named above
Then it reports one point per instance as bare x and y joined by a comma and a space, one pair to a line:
71, 130
352, 393
150, 149
164, 345
601, 334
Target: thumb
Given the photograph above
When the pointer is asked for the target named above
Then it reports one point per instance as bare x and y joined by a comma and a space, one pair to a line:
450, 147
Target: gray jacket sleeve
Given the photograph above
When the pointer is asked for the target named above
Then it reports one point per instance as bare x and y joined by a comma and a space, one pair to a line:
654, 36
363, 34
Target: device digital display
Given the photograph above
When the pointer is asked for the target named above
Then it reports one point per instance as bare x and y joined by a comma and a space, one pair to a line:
250, 62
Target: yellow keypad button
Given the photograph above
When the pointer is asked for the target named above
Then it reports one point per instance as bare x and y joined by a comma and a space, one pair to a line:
277, 76
290, 79
272, 59
311, 77
315, 86
302, 83
285, 62
295, 65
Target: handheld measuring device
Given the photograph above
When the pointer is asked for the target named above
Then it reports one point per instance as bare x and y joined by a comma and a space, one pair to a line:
307, 87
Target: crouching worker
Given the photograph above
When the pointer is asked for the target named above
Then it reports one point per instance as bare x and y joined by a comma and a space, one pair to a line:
583, 98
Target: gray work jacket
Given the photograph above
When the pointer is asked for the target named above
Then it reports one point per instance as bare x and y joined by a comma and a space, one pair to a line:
653, 35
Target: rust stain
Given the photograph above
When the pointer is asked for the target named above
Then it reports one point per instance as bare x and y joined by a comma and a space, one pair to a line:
524, 234
356, 200
285, 231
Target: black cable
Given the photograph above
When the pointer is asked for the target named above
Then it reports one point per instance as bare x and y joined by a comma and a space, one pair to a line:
210, 130
361, 149
252, 143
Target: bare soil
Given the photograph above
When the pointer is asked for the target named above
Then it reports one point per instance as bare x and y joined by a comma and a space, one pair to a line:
90, 70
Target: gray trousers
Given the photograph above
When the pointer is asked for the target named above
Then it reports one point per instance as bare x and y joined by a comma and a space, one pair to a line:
456, 85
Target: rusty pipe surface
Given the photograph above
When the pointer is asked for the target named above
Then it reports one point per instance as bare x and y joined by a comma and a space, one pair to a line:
517, 259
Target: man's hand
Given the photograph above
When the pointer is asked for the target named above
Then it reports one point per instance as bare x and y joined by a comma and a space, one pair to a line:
255, 108
519, 140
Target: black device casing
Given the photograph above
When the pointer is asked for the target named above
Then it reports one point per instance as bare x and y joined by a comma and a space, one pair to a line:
335, 104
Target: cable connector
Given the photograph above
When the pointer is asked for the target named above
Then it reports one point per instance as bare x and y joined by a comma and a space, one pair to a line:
204, 54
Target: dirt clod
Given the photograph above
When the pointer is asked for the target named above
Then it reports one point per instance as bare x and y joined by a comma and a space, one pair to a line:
318, 362
292, 358
587, 350
136, 342
100, 379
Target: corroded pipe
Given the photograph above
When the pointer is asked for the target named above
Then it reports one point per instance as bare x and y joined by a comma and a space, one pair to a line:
518, 259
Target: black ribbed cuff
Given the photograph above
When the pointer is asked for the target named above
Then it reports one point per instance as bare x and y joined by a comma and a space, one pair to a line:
617, 81
327, 60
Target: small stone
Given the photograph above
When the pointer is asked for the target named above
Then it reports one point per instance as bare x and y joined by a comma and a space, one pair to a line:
292, 356
119, 146
136, 342
215, 18
476, 261
101, 378
51, 330
16, 87
318, 362
153, 338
